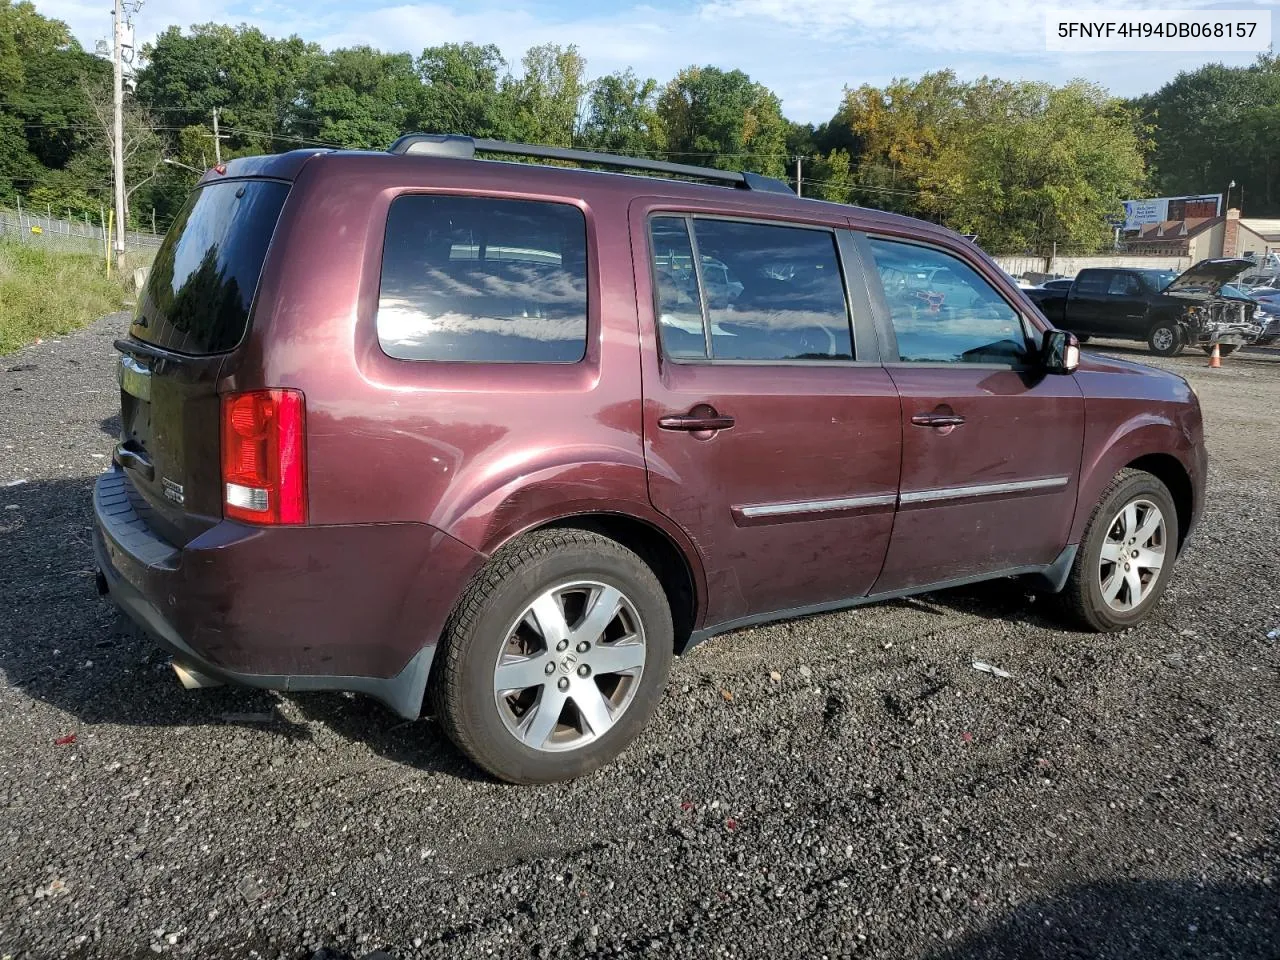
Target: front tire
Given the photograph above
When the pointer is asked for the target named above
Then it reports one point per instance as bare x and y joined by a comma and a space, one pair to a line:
1165, 339
555, 657
1126, 556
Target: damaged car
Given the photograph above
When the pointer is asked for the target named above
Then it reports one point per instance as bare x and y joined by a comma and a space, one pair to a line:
1167, 310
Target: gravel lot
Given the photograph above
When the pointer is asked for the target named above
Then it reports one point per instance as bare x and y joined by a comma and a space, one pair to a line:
1118, 797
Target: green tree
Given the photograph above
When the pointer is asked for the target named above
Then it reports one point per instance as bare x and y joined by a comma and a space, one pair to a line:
360, 97
544, 100
256, 82
622, 115
1214, 125
831, 177
459, 91
42, 115
1023, 165
721, 118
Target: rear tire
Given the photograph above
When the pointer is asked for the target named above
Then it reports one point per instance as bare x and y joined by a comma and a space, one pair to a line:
1165, 339
537, 681
1112, 584
1224, 349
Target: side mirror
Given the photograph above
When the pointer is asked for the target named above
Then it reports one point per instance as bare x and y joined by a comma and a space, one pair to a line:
1060, 352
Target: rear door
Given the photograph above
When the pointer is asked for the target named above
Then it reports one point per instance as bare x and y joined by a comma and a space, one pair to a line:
194, 310
771, 431
991, 445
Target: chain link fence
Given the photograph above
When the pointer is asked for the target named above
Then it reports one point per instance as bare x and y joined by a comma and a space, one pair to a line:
70, 235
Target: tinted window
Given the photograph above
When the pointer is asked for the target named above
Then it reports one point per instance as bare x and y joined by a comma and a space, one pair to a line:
943, 310
1093, 282
483, 280
772, 292
202, 283
679, 301
1124, 285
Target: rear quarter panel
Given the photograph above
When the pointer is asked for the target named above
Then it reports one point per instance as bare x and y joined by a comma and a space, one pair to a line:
473, 449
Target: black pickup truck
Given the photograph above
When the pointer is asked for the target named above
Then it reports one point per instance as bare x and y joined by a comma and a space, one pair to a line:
1167, 310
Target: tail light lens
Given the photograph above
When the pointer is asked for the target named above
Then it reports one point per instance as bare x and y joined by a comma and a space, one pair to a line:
264, 463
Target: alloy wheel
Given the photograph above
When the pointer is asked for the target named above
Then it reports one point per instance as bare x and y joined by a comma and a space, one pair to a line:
570, 666
1132, 555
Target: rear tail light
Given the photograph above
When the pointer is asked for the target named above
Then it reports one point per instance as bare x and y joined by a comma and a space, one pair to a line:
264, 464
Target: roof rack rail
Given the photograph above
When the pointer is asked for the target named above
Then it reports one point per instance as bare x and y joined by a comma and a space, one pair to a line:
465, 148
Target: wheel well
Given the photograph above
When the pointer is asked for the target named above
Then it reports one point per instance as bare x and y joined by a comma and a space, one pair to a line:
657, 550
1173, 475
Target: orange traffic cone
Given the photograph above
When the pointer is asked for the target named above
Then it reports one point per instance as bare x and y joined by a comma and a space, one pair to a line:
1215, 358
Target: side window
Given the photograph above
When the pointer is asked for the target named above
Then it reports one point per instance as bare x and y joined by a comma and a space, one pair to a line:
483, 280
768, 292
943, 310
679, 300
1093, 282
1124, 285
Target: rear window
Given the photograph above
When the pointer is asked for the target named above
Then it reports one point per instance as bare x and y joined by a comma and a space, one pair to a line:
483, 280
202, 283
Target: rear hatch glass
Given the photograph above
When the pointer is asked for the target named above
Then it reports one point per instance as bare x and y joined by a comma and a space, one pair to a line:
201, 285
195, 308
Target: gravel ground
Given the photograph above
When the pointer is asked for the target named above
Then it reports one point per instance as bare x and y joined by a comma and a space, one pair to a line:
1117, 797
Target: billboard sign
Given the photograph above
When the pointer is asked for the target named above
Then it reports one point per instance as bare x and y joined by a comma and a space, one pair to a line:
1141, 213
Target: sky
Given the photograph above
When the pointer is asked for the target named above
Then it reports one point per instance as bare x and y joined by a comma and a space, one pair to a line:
806, 51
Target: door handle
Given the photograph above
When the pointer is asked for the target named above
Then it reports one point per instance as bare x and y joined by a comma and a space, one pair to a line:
937, 420
691, 423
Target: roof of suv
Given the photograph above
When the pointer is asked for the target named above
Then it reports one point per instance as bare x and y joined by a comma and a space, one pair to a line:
767, 192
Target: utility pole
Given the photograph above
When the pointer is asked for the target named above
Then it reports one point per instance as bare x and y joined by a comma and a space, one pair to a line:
117, 139
217, 139
798, 192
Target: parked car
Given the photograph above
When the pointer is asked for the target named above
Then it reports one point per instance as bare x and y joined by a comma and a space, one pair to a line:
1167, 310
1268, 313
422, 425
1061, 283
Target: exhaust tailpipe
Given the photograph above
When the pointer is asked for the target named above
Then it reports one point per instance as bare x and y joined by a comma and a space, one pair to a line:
193, 679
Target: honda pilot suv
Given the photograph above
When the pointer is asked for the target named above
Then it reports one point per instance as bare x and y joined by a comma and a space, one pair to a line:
495, 440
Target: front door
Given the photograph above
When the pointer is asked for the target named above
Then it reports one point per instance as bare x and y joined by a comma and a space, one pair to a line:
772, 433
991, 445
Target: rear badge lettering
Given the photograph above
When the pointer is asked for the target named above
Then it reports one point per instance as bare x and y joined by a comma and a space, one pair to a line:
173, 490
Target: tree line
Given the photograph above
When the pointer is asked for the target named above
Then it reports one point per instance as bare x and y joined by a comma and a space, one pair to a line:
1021, 164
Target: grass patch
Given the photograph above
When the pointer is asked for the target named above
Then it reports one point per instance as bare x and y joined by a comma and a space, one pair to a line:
44, 292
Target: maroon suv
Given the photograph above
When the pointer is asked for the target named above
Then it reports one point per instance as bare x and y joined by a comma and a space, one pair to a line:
514, 434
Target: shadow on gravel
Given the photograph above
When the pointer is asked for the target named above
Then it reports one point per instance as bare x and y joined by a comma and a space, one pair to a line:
1128, 920
1005, 599
63, 645
418, 744
111, 426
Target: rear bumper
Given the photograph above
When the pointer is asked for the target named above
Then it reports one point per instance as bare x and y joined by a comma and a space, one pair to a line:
357, 607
